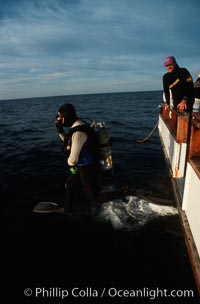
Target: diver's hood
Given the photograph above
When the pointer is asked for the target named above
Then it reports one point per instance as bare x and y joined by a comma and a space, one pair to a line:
69, 113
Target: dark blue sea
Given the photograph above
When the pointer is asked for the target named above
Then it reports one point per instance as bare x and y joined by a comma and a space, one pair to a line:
127, 244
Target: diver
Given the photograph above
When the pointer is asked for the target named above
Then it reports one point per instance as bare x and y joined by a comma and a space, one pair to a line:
81, 158
80, 145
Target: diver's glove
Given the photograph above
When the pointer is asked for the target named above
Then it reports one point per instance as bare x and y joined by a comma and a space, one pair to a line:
74, 170
58, 124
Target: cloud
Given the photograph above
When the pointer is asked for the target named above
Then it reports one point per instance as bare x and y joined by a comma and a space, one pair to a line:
57, 43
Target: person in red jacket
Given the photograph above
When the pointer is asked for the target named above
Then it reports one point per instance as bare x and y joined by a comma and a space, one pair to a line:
178, 81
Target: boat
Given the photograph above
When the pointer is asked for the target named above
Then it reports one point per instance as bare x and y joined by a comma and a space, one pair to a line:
180, 138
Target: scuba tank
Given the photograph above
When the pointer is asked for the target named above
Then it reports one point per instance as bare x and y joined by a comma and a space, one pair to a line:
104, 148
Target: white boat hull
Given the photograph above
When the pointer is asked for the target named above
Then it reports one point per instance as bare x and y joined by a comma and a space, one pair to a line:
181, 144
191, 203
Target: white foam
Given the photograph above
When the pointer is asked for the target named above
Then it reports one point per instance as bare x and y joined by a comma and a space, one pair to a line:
163, 210
110, 213
133, 213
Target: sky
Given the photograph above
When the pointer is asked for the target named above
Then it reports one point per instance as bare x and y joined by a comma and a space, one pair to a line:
70, 47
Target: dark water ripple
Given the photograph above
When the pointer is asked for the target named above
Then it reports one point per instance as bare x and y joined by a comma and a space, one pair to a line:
33, 169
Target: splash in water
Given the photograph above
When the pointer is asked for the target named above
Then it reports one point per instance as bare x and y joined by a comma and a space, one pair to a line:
132, 213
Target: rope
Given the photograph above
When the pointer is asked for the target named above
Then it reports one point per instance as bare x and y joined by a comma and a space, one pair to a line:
148, 136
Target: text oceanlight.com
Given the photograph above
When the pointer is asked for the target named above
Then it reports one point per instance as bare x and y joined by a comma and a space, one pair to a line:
112, 292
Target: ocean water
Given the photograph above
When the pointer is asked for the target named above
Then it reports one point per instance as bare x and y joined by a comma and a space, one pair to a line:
127, 243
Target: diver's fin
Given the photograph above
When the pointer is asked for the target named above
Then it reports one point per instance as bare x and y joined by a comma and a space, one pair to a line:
48, 207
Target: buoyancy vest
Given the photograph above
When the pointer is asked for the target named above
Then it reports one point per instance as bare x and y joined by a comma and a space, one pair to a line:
97, 148
88, 153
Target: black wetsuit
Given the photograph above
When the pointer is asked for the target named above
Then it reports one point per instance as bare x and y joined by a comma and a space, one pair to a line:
180, 82
86, 177
197, 88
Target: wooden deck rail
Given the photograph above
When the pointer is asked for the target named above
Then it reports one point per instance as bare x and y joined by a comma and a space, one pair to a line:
177, 123
194, 146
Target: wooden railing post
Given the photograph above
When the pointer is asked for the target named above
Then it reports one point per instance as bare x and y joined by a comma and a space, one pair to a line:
182, 127
194, 147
